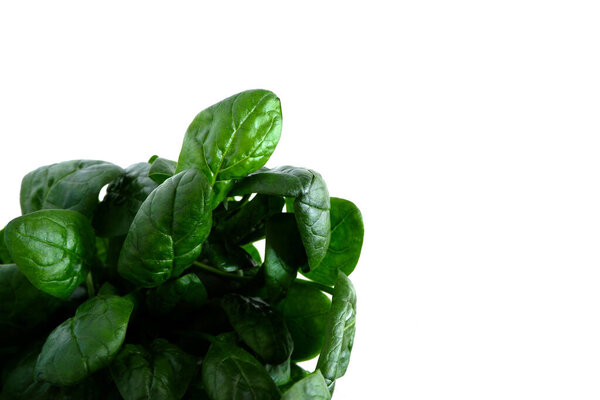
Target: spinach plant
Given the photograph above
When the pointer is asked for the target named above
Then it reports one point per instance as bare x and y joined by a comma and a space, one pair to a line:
159, 291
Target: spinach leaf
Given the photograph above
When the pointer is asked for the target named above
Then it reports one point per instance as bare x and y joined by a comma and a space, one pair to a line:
232, 138
123, 199
252, 252
226, 256
263, 330
71, 185
311, 204
347, 233
306, 314
162, 169
162, 372
284, 255
4, 254
280, 373
53, 249
187, 290
339, 336
231, 373
86, 342
167, 233
312, 387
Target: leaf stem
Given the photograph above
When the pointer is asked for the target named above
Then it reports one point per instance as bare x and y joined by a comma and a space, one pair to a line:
216, 271
89, 283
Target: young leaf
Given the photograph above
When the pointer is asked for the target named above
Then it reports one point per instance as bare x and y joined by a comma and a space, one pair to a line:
231, 373
339, 336
162, 372
232, 138
306, 313
162, 169
123, 199
347, 233
311, 206
86, 342
167, 233
187, 289
312, 387
71, 185
263, 330
53, 248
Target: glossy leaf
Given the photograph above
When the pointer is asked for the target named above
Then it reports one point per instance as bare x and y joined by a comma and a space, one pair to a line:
232, 138
347, 233
339, 335
4, 254
86, 342
306, 313
252, 252
123, 199
284, 255
280, 373
53, 248
187, 290
312, 387
162, 169
311, 204
166, 235
71, 185
226, 256
162, 372
231, 373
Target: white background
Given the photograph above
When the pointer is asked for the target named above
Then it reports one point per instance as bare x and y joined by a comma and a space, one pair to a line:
466, 131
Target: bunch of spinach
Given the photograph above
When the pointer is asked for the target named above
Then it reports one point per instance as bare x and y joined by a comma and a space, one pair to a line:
159, 291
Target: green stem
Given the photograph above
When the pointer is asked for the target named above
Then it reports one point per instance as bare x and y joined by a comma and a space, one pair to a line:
216, 271
89, 283
316, 285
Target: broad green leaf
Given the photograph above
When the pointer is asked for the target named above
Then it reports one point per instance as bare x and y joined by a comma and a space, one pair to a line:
187, 290
123, 199
311, 204
162, 169
306, 313
71, 185
226, 256
263, 330
247, 224
347, 233
86, 342
312, 387
280, 373
253, 252
284, 255
162, 372
339, 335
232, 138
53, 248
231, 373
167, 233
4, 254
22, 306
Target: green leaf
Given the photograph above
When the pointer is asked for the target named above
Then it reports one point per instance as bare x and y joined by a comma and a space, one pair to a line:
232, 138
123, 199
167, 233
162, 169
280, 373
339, 335
231, 373
226, 256
306, 313
70, 185
4, 254
252, 252
22, 306
86, 342
186, 290
263, 330
162, 372
53, 248
284, 255
311, 204
347, 233
312, 387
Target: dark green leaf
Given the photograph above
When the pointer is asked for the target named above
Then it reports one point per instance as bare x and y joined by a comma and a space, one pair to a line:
123, 199
53, 248
231, 373
162, 169
312, 387
71, 185
339, 335
232, 138
347, 233
4, 254
252, 252
280, 373
226, 256
187, 290
306, 312
162, 372
166, 235
311, 206
86, 342
284, 255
